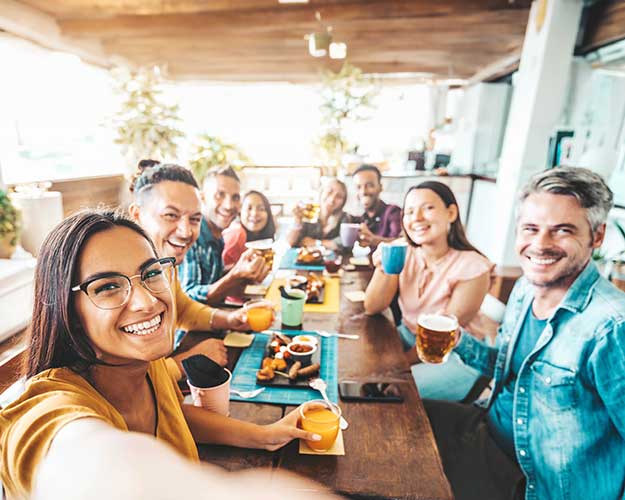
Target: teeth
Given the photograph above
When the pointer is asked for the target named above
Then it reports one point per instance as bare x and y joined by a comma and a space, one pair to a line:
542, 262
179, 245
144, 327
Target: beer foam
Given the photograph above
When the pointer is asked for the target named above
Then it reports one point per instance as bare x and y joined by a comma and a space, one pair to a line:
265, 244
438, 323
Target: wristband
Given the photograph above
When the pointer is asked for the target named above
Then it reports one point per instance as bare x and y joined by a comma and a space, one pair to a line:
211, 318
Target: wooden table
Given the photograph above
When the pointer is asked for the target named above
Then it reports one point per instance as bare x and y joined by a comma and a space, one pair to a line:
390, 449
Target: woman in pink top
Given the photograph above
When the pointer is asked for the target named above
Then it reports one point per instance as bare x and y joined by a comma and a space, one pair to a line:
256, 224
442, 272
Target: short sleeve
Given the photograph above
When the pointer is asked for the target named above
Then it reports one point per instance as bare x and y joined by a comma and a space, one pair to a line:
28, 429
469, 265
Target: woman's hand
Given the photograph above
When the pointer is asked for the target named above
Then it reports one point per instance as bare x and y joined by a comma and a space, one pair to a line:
298, 214
283, 431
237, 320
376, 258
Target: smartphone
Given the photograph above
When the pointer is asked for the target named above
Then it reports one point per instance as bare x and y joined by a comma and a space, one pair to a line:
371, 391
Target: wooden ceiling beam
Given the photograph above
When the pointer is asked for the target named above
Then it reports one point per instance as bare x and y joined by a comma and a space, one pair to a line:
32, 24
385, 11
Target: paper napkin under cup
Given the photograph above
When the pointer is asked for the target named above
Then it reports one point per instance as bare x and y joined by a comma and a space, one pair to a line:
338, 448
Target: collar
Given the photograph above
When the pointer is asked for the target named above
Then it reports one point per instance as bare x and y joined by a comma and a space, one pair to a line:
580, 292
378, 213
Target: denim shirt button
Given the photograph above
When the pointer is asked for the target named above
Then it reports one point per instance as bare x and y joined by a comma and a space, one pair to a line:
522, 390
519, 421
548, 380
522, 453
530, 486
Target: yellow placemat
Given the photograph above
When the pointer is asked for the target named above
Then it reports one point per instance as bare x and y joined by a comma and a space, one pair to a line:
330, 302
338, 448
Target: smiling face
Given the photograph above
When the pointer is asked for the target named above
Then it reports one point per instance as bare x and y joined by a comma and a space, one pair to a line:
426, 218
332, 198
171, 215
142, 329
223, 200
554, 240
254, 215
368, 188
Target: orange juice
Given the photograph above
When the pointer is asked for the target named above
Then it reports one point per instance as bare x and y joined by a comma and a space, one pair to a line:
324, 422
259, 318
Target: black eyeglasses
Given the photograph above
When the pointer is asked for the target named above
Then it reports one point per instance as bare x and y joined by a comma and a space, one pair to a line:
112, 290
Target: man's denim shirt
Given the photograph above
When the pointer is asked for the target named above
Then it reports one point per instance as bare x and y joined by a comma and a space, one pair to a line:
569, 397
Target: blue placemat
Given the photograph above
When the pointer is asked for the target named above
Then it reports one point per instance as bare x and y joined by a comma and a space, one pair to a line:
244, 376
290, 256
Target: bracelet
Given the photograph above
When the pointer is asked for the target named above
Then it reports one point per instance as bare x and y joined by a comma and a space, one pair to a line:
211, 317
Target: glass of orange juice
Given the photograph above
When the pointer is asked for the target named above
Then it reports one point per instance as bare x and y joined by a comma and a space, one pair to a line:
322, 418
259, 314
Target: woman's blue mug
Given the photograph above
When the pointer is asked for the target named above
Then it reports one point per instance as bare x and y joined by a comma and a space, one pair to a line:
393, 256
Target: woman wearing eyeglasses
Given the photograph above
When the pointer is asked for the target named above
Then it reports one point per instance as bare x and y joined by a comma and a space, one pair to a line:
103, 321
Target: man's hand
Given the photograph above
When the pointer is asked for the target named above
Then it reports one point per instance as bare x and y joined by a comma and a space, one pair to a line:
250, 266
212, 348
367, 238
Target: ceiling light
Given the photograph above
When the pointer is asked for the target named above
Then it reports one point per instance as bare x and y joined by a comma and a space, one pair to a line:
319, 43
338, 50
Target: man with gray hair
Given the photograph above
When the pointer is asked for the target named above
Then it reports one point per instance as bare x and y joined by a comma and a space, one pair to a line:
554, 426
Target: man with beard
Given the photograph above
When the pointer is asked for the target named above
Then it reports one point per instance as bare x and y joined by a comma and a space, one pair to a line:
202, 269
554, 426
380, 221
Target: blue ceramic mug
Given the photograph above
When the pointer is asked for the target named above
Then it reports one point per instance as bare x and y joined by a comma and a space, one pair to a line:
393, 256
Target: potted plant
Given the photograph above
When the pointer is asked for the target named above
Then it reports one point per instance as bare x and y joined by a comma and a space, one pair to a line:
146, 126
347, 97
9, 226
209, 152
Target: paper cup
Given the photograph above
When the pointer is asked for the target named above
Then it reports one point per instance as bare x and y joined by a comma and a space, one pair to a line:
216, 398
293, 308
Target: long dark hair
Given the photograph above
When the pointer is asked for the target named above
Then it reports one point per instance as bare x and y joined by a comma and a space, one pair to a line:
269, 231
57, 338
456, 237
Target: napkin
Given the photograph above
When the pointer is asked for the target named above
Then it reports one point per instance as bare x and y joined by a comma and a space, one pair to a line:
355, 296
202, 372
338, 448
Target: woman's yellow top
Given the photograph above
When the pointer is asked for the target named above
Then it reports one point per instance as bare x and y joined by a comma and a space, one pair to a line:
190, 315
58, 396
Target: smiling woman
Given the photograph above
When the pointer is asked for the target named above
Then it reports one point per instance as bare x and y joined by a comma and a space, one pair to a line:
103, 322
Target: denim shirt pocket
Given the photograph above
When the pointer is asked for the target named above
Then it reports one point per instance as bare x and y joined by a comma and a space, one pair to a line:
554, 386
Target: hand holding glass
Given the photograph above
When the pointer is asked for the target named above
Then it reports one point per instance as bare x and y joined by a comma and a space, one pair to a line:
321, 418
259, 314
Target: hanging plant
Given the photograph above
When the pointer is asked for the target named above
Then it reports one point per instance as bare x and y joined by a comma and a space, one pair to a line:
209, 152
347, 97
146, 126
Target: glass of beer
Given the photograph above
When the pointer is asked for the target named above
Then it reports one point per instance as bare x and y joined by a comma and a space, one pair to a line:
311, 211
436, 337
264, 248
